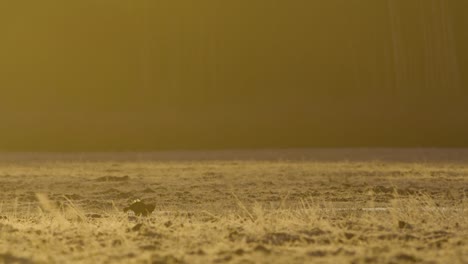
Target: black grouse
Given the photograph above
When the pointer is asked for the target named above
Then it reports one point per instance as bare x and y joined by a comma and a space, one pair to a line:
140, 208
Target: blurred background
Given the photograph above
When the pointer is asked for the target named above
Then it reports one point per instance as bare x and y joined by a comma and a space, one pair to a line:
120, 75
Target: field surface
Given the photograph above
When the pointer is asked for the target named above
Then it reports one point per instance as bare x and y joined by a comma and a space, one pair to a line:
317, 206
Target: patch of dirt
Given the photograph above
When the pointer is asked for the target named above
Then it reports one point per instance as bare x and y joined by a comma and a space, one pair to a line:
9, 258
404, 258
167, 259
280, 238
113, 178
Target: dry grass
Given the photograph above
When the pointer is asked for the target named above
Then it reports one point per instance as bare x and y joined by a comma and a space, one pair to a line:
234, 212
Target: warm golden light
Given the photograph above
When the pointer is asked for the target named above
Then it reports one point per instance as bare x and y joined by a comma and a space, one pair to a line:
135, 75
233, 131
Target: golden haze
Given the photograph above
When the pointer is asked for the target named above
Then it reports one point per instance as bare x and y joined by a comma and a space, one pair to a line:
137, 75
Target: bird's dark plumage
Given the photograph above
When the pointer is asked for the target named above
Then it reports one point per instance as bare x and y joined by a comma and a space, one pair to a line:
140, 208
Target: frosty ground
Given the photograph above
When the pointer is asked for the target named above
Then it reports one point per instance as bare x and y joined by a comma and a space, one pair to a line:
233, 210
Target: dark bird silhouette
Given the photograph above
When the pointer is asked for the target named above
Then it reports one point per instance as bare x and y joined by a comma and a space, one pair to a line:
140, 208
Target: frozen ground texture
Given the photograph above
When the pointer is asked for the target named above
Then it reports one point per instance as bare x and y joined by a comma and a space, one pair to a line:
318, 206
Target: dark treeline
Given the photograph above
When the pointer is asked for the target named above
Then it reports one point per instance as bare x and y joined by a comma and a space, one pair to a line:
147, 75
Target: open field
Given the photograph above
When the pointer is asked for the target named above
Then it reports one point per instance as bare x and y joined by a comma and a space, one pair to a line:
391, 207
